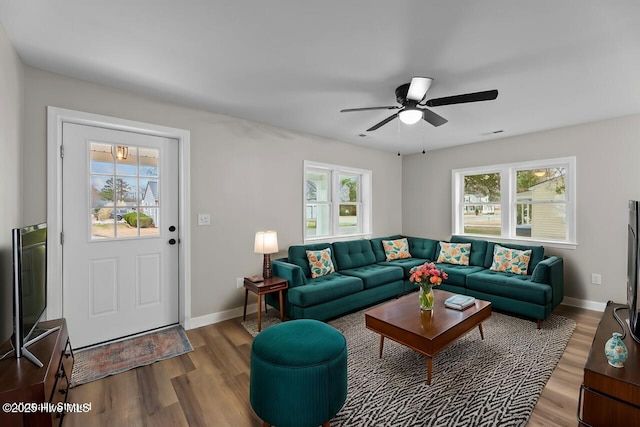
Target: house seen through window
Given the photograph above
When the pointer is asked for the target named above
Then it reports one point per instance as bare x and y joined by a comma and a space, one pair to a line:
531, 200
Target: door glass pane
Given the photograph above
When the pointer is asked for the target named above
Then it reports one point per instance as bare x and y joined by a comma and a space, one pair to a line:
101, 194
101, 225
124, 191
126, 160
149, 162
101, 158
482, 204
149, 192
149, 221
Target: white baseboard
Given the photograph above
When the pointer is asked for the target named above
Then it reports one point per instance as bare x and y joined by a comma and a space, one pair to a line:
581, 303
209, 319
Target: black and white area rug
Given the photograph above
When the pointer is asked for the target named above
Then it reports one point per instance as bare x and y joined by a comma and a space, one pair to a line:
492, 382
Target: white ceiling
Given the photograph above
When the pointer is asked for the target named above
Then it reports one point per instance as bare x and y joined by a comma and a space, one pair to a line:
294, 64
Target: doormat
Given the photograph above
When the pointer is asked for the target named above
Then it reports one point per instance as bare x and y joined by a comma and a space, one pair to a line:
113, 358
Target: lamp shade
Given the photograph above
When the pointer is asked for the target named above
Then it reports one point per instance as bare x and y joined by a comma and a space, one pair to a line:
410, 115
266, 242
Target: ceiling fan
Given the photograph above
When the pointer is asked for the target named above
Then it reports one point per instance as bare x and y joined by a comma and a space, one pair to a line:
412, 106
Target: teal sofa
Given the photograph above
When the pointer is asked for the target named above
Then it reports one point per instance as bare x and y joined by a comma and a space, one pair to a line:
364, 277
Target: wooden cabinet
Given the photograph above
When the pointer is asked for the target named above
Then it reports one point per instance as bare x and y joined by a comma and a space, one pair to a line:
22, 382
610, 396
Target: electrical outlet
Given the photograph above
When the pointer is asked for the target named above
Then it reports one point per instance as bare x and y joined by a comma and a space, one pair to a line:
204, 219
596, 278
239, 282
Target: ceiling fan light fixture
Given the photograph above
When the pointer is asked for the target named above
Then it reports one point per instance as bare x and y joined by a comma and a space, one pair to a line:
410, 116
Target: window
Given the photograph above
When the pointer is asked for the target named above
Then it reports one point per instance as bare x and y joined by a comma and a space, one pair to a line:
124, 191
523, 201
337, 201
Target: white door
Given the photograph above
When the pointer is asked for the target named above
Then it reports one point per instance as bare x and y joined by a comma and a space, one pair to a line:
120, 237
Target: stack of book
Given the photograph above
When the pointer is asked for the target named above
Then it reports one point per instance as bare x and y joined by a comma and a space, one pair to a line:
459, 302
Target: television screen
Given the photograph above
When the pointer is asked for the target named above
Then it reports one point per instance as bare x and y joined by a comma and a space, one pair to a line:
30, 277
633, 296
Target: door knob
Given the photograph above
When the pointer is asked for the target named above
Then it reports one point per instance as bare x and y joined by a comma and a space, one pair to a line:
172, 241
172, 228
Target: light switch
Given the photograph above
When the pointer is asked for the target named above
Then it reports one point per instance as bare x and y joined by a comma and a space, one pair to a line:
204, 219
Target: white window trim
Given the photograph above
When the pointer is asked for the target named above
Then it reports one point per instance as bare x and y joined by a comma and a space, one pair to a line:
508, 202
365, 193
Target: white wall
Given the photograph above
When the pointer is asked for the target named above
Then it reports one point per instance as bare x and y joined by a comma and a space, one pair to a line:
608, 175
11, 127
248, 176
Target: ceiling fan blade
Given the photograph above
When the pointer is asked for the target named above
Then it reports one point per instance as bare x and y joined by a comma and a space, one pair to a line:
418, 88
391, 107
486, 95
382, 123
433, 118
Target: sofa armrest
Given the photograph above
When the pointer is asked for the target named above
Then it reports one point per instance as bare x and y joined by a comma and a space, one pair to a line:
551, 271
291, 272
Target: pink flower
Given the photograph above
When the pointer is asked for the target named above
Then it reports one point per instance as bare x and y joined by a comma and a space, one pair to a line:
427, 273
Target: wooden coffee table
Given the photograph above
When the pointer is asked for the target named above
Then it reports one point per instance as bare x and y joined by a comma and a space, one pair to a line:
425, 332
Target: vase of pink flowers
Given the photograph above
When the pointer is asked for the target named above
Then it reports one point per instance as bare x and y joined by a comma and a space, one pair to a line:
426, 276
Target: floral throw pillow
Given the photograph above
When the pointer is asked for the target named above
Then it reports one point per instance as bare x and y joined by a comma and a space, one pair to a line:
454, 253
396, 249
509, 260
320, 262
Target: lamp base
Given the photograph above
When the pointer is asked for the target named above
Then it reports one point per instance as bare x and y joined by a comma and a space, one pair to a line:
267, 273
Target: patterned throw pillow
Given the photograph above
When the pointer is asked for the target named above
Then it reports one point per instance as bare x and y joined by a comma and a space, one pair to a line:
510, 260
454, 253
320, 262
396, 249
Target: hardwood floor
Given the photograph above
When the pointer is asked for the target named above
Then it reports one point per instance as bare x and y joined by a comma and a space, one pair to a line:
210, 386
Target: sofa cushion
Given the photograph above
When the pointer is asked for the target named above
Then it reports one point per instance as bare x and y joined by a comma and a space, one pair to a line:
323, 289
537, 254
423, 248
478, 249
454, 253
396, 249
510, 260
376, 275
320, 262
298, 255
406, 264
514, 286
458, 273
353, 254
378, 249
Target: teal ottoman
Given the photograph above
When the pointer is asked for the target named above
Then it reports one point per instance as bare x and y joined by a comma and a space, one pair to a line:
298, 374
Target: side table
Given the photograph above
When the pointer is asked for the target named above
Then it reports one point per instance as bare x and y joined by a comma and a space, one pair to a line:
273, 284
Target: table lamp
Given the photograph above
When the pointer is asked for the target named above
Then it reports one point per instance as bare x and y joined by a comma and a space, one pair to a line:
267, 244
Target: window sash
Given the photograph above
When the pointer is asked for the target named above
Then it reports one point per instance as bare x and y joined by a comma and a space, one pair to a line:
510, 227
339, 225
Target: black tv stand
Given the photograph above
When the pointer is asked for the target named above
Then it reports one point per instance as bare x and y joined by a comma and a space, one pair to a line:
40, 334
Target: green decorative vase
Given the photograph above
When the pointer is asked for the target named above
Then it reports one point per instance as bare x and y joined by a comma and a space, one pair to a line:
616, 351
426, 297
